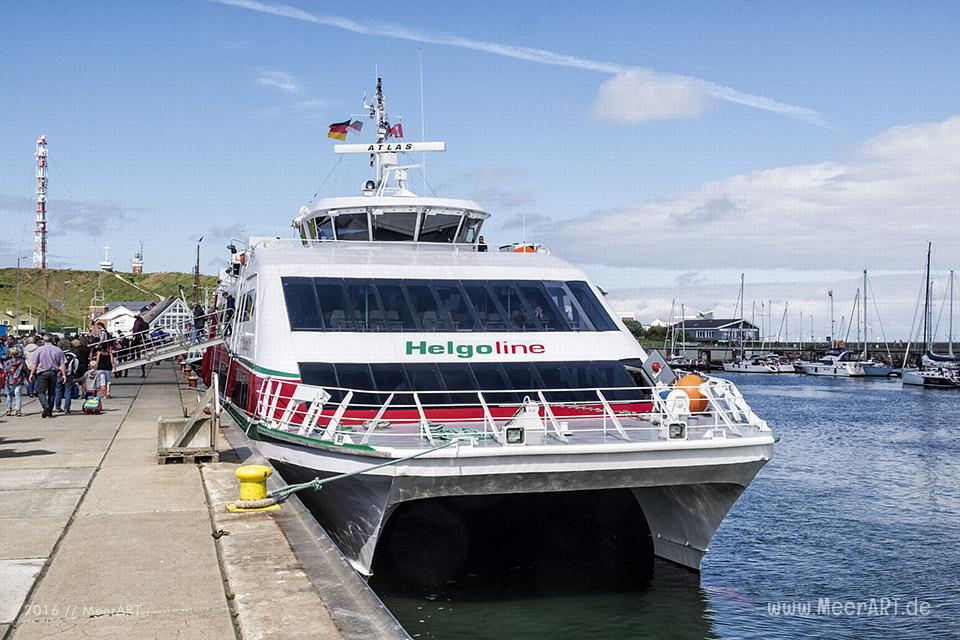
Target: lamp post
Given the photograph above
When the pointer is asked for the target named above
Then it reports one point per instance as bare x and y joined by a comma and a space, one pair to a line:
66, 315
79, 313
19, 258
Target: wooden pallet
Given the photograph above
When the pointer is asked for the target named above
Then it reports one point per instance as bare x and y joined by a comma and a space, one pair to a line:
188, 457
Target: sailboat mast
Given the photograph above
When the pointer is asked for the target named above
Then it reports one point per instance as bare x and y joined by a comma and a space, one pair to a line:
668, 337
950, 330
786, 321
833, 336
801, 333
864, 314
926, 303
683, 324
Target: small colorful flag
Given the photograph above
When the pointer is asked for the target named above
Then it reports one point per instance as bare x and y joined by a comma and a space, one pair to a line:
338, 130
396, 131
356, 125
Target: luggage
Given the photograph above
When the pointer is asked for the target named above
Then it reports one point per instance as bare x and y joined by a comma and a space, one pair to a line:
92, 406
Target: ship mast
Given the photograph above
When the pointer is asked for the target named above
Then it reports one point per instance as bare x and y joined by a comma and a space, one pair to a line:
383, 154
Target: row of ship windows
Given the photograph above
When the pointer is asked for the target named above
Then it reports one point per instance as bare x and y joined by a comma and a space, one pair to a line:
393, 226
500, 382
359, 304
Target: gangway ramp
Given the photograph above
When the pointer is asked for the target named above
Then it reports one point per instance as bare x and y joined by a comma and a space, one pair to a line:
151, 354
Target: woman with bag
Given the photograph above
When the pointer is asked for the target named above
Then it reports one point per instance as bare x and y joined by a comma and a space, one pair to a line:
14, 374
105, 365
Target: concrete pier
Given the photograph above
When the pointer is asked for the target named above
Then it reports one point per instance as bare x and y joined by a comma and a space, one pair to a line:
98, 540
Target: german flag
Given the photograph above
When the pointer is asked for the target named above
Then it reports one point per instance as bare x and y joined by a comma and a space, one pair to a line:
338, 130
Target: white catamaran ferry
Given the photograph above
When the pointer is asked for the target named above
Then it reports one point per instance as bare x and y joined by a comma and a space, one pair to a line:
385, 330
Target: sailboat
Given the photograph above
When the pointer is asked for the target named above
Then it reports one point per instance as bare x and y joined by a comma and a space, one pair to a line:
871, 368
936, 371
836, 362
742, 363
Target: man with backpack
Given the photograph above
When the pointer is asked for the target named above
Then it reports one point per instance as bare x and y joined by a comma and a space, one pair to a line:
64, 392
46, 368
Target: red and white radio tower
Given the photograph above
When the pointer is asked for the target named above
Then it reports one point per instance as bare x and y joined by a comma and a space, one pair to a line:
40, 234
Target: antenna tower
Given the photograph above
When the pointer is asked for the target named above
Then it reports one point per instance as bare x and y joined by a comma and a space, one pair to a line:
40, 233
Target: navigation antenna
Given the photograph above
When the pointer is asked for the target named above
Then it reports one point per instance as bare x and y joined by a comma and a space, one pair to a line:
383, 155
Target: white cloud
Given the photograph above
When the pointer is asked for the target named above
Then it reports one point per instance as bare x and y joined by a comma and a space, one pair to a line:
681, 95
278, 80
638, 95
878, 210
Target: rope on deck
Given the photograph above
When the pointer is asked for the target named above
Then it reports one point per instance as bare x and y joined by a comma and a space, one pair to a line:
282, 493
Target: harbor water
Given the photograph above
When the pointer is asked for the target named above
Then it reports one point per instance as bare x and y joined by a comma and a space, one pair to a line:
851, 531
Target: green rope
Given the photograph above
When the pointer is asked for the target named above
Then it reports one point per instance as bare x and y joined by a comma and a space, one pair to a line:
317, 483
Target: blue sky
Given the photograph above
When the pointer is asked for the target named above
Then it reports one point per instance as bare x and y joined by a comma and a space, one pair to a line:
637, 157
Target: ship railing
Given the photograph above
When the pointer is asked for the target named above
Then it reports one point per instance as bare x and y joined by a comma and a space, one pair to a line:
358, 416
173, 337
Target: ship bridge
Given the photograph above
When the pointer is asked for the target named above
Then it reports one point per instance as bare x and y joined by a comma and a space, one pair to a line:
391, 218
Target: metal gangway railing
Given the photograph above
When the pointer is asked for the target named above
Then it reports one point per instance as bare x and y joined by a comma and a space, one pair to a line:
161, 343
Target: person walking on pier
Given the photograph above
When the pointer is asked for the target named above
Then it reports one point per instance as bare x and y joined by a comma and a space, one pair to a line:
82, 350
14, 374
64, 393
105, 365
48, 364
29, 349
137, 340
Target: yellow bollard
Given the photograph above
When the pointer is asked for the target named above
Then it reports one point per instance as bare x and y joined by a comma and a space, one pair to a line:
253, 486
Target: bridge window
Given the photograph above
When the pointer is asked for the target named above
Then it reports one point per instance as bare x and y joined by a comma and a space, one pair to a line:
394, 226
439, 227
352, 226
399, 305
594, 310
470, 230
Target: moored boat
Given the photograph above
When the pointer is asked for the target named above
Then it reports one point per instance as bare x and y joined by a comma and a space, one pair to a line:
935, 371
836, 363
384, 332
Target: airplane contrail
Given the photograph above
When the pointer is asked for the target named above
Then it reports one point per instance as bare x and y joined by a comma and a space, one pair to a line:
530, 54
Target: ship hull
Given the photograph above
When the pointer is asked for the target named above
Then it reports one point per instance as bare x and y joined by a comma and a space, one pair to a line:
930, 380
684, 493
744, 367
834, 370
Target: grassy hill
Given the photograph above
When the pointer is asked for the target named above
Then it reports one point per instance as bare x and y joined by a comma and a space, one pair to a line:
58, 305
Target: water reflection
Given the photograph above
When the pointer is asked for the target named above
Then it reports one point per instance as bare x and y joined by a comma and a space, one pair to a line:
566, 565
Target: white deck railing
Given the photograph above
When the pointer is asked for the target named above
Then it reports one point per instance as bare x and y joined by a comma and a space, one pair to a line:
406, 419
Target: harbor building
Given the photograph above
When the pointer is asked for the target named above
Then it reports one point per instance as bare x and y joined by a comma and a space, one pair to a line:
719, 329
